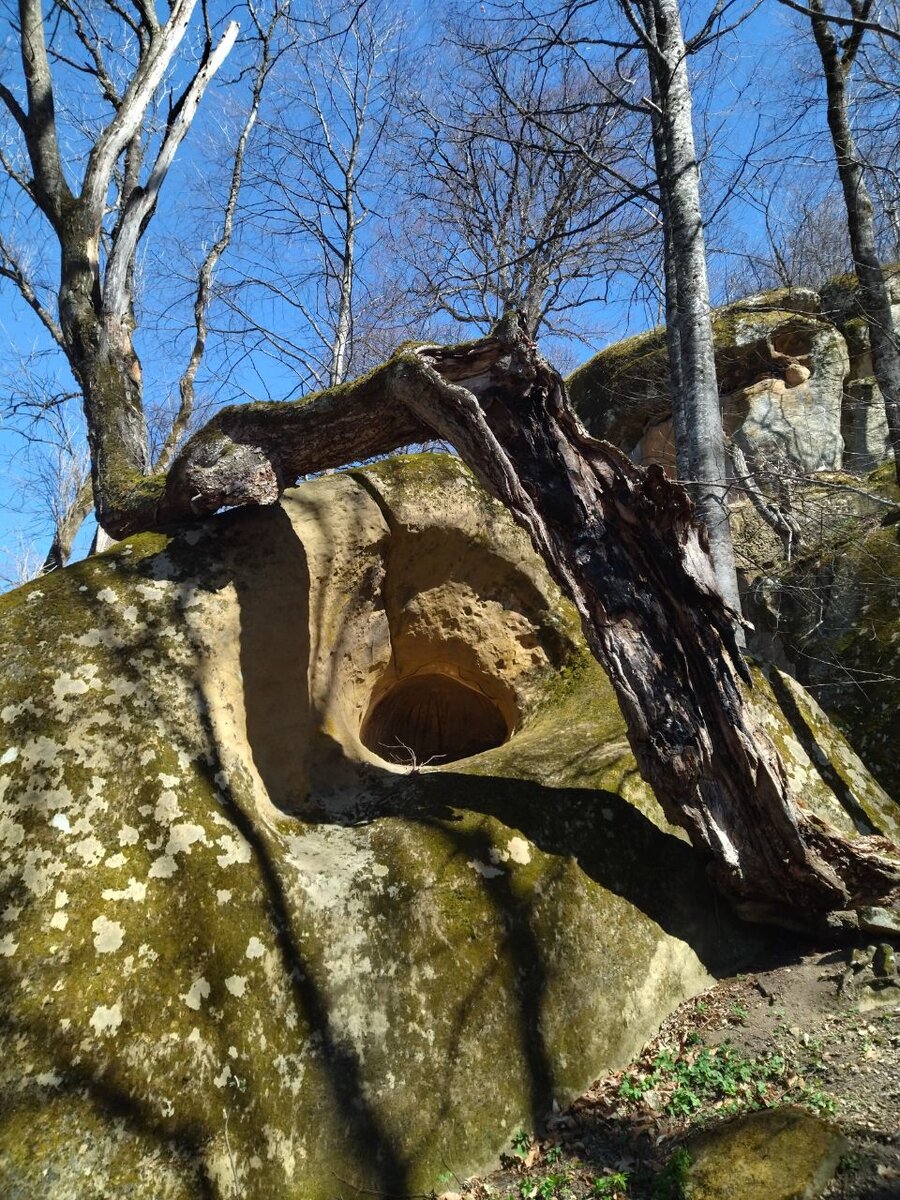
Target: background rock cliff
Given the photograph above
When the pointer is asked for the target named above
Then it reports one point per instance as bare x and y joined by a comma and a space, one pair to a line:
795, 378
800, 403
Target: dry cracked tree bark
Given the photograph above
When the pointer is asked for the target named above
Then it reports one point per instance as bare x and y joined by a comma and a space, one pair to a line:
624, 545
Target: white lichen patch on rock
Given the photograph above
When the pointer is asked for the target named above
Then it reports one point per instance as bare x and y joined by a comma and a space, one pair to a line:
236, 984
66, 685
235, 850
106, 1019
108, 935
197, 993
134, 891
484, 869
255, 948
519, 851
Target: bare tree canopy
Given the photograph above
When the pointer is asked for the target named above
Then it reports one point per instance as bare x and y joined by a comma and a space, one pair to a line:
640, 63
319, 185
511, 209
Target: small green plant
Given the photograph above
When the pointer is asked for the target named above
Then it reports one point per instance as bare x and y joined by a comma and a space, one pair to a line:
553, 1155
814, 1097
611, 1187
521, 1143
552, 1187
671, 1182
633, 1087
850, 1162
721, 1077
738, 1012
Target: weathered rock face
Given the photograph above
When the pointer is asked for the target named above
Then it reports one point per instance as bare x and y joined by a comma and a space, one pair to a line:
864, 424
837, 613
795, 377
250, 943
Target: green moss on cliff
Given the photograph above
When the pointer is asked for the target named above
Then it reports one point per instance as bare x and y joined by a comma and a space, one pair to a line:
411, 472
840, 607
620, 378
869, 651
883, 481
627, 384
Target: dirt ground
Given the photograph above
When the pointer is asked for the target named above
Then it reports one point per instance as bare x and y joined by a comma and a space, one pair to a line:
790, 1032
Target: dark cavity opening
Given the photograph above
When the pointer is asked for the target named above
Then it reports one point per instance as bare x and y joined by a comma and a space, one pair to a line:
432, 718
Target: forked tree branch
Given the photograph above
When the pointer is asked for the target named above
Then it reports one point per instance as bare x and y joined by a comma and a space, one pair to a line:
67, 527
142, 200
49, 188
850, 22
12, 269
207, 269
160, 50
15, 109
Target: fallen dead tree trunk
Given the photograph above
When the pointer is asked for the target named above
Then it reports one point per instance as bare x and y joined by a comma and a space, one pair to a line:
623, 544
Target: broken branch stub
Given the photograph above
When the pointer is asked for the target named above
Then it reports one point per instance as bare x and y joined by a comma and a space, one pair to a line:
624, 545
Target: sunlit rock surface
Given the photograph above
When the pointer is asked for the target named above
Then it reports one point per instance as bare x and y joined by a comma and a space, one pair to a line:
864, 423
795, 379
252, 941
777, 1154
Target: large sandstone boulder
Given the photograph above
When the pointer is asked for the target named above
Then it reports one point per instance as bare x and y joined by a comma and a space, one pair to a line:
781, 369
252, 941
795, 377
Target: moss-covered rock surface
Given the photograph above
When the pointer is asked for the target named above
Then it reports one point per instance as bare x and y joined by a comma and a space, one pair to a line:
795, 379
779, 1154
838, 610
245, 953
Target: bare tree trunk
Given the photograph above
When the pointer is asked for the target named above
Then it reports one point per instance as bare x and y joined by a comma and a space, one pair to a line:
340, 352
696, 413
103, 360
67, 529
624, 545
837, 62
673, 340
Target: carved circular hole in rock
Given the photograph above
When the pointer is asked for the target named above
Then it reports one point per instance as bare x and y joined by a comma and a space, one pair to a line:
797, 343
432, 717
